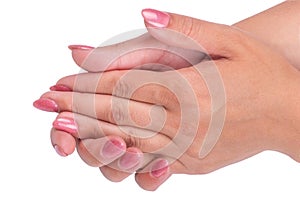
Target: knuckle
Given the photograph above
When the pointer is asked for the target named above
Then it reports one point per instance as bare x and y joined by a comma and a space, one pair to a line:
139, 143
169, 99
122, 88
117, 114
76, 102
132, 141
146, 145
192, 29
165, 95
188, 27
74, 107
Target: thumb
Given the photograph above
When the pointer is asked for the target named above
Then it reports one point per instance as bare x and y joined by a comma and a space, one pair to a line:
190, 33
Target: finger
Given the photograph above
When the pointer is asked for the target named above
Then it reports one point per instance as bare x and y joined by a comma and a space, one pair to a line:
186, 32
84, 127
139, 85
111, 109
102, 151
63, 143
90, 128
153, 175
134, 53
124, 166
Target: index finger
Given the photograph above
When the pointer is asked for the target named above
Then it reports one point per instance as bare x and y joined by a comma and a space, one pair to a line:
139, 85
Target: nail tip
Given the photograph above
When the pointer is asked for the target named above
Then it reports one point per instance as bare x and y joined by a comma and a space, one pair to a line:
130, 160
60, 87
80, 47
45, 104
156, 18
160, 168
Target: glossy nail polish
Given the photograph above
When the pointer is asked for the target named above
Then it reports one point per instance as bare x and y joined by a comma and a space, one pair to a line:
65, 124
156, 18
159, 168
60, 151
46, 105
130, 159
60, 87
80, 47
112, 149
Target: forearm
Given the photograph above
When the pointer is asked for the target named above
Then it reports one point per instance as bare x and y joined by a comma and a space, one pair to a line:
279, 27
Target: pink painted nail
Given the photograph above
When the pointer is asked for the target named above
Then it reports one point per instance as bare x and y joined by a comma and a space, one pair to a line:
113, 148
156, 18
60, 151
130, 159
160, 168
66, 124
46, 105
80, 47
60, 87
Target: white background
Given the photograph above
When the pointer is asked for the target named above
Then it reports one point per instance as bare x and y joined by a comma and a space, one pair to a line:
34, 36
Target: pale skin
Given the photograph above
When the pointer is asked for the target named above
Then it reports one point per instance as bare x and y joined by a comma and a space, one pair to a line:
250, 116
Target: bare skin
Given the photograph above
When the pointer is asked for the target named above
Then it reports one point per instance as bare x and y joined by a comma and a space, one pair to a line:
284, 138
278, 27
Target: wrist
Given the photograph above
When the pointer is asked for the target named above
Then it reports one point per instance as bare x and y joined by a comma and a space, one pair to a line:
287, 136
264, 26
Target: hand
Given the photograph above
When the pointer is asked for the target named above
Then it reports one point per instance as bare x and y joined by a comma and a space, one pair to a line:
263, 26
254, 81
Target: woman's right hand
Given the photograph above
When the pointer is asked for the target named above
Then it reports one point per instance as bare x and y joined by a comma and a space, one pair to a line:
146, 49
244, 60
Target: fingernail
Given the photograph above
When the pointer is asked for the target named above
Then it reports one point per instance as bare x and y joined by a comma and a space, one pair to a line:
160, 168
46, 105
80, 47
60, 87
113, 148
60, 151
156, 18
130, 159
65, 124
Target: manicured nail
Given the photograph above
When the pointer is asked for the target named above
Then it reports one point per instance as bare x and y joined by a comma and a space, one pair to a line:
156, 18
65, 124
60, 87
46, 105
130, 159
80, 47
60, 151
113, 148
160, 168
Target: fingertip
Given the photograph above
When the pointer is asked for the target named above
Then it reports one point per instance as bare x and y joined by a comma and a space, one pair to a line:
80, 53
60, 151
155, 18
113, 174
131, 160
147, 182
63, 142
152, 179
